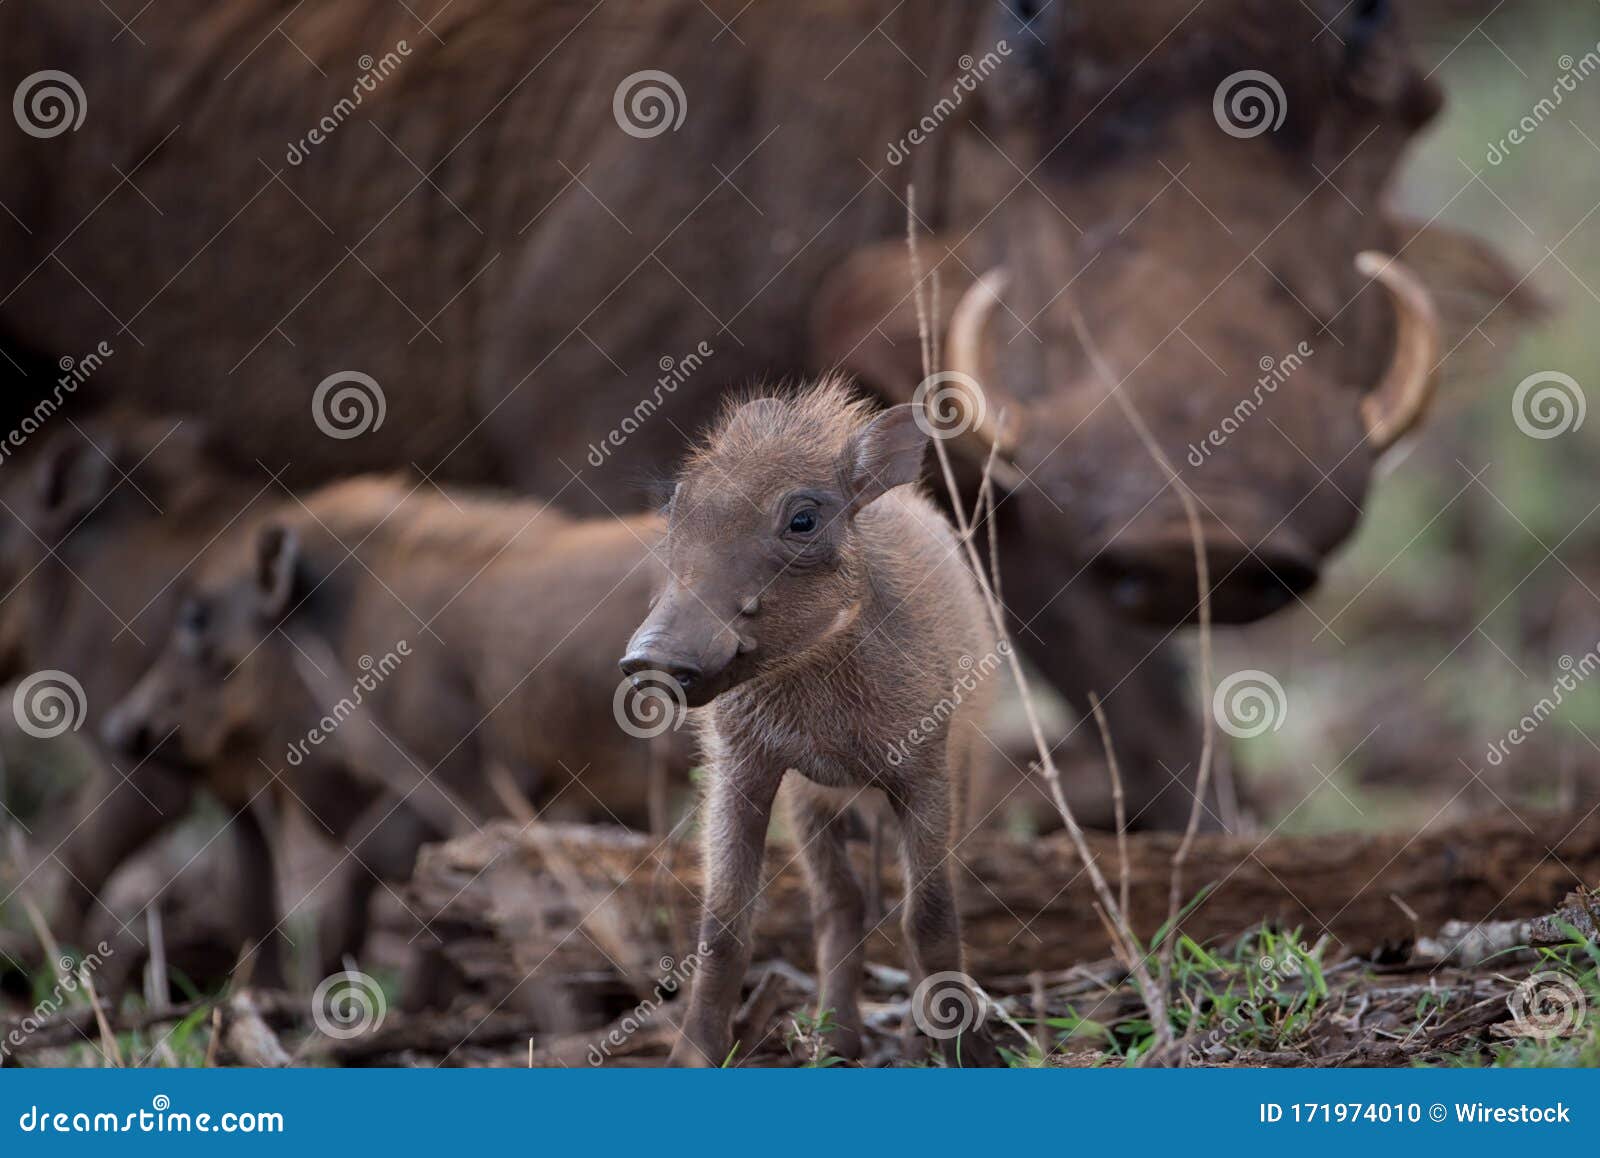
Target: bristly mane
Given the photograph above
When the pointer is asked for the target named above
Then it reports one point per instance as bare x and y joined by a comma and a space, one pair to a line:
814, 419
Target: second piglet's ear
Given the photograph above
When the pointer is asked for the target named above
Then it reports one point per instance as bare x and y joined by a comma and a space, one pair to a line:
277, 560
884, 454
73, 477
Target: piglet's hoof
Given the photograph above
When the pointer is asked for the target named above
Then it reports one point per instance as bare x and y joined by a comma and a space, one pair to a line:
973, 1050
689, 1054
844, 1042
948, 1011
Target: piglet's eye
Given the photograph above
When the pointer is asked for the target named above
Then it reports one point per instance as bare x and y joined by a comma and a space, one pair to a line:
803, 522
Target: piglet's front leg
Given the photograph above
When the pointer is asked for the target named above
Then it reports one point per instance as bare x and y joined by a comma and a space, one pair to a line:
733, 839
945, 1004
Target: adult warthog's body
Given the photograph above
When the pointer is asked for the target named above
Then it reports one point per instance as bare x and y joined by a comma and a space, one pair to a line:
545, 242
552, 281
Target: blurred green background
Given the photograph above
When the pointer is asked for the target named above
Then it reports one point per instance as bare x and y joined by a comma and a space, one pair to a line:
1477, 565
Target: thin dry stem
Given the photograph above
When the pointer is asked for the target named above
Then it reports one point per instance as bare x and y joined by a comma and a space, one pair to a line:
1126, 957
987, 494
112, 1050
1117, 922
1203, 586
1041, 1010
924, 329
216, 1037
244, 970
1118, 801
157, 983
509, 794
1005, 1017
41, 929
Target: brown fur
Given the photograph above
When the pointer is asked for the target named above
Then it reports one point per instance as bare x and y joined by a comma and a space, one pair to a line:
537, 294
99, 524
501, 618
818, 651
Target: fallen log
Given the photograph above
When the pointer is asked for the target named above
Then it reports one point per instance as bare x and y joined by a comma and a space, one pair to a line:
508, 917
1472, 942
432, 1034
79, 1023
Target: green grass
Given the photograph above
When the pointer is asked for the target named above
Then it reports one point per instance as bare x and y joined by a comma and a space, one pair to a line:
807, 1038
1579, 960
1262, 995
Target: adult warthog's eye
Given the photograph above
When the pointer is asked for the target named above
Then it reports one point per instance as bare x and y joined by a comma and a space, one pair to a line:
193, 617
803, 521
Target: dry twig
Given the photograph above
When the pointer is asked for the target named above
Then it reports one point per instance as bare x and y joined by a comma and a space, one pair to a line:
1117, 922
1202, 571
1119, 803
112, 1050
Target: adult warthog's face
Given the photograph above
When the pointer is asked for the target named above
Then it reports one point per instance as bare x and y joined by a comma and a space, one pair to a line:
1173, 219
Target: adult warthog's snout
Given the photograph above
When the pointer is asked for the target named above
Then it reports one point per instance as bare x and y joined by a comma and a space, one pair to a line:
682, 641
1151, 576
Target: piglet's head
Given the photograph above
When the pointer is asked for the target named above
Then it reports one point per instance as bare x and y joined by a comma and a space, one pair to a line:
763, 545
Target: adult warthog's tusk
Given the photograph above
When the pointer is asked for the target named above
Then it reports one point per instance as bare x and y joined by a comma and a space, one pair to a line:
1402, 396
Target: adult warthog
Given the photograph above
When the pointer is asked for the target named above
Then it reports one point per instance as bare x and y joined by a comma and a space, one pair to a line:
534, 243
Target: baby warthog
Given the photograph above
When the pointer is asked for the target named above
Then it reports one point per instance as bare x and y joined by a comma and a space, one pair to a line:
818, 602
381, 627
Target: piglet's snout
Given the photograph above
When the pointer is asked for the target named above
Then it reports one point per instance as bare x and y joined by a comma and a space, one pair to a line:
643, 659
684, 643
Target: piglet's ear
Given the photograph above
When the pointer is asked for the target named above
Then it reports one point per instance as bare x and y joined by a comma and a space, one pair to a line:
886, 453
277, 559
73, 477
